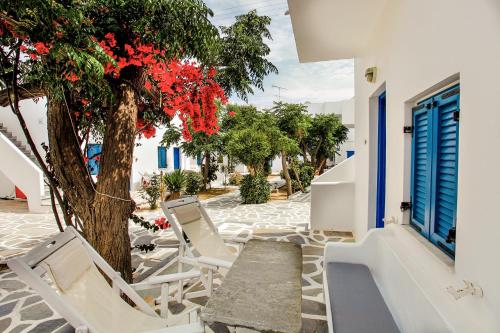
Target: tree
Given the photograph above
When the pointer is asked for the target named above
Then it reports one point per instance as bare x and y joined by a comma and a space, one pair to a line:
254, 137
294, 121
115, 69
324, 138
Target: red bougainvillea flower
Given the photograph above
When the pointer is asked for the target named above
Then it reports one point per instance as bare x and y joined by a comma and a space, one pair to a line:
41, 48
85, 102
162, 223
85, 159
231, 113
23, 48
185, 88
33, 56
72, 77
148, 130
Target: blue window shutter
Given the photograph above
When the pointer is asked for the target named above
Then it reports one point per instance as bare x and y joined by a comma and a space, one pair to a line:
93, 151
445, 168
162, 157
421, 167
177, 158
435, 167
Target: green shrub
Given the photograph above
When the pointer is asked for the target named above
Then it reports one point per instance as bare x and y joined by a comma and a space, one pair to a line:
255, 189
151, 190
306, 174
176, 182
235, 178
194, 182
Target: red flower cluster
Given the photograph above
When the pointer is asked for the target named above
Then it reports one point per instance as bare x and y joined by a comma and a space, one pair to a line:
147, 129
186, 88
162, 223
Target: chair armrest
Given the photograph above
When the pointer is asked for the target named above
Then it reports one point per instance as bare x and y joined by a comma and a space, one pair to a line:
215, 262
154, 281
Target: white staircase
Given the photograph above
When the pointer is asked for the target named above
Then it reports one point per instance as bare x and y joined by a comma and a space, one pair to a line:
22, 168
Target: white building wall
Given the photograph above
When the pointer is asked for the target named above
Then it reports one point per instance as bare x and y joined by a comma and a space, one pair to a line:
146, 158
419, 47
35, 116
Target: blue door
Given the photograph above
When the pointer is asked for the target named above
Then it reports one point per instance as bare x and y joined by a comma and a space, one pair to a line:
162, 157
381, 162
177, 158
94, 157
435, 168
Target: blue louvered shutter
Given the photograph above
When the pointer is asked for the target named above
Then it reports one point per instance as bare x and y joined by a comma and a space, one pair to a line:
162, 157
421, 167
445, 168
435, 168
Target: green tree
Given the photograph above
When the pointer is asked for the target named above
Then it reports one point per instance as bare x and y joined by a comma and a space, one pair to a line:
324, 138
76, 50
294, 121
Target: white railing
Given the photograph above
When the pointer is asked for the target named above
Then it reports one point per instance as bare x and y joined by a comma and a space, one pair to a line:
22, 172
332, 198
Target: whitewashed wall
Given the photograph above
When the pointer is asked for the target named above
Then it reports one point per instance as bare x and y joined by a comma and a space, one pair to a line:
418, 47
35, 116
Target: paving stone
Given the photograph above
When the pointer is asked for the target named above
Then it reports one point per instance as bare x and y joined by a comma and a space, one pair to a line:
314, 326
19, 328
219, 328
312, 292
312, 250
176, 308
15, 295
36, 312
296, 239
310, 258
313, 307
5, 309
11, 285
31, 300
48, 326
309, 268
305, 283
67, 328
318, 278
4, 324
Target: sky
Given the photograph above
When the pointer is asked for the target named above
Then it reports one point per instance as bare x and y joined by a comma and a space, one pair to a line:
326, 81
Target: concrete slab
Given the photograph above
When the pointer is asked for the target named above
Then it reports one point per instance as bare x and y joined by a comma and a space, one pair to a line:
262, 291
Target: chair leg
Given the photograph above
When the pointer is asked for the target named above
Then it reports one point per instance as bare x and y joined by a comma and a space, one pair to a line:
210, 282
164, 300
180, 291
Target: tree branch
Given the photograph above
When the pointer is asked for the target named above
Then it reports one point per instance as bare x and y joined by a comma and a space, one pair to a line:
26, 91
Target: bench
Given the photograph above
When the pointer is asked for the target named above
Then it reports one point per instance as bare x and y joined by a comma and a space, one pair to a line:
379, 284
261, 292
355, 301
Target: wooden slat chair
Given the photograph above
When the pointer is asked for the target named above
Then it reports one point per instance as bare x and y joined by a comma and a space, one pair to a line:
68, 273
187, 216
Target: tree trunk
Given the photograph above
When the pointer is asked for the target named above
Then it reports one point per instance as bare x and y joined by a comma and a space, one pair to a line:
105, 207
322, 165
206, 170
286, 174
108, 230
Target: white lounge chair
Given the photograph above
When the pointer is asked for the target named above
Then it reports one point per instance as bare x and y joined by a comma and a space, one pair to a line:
192, 220
81, 294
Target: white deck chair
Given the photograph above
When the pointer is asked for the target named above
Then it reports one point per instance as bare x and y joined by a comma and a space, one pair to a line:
81, 294
192, 219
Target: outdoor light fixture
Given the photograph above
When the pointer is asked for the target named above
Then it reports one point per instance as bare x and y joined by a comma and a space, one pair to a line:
371, 74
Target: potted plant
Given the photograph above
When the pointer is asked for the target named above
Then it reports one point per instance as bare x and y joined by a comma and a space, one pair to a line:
175, 181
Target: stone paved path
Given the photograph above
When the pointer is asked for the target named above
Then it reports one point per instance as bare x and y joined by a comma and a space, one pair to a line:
21, 310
